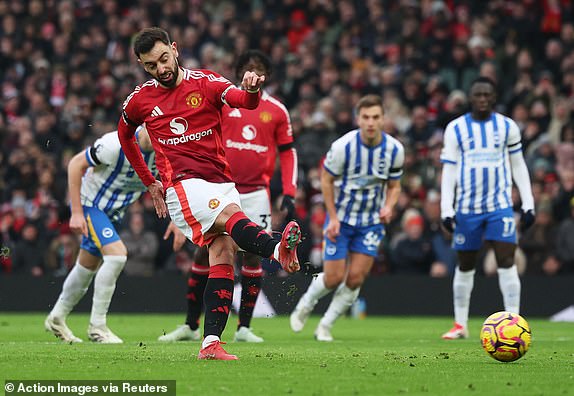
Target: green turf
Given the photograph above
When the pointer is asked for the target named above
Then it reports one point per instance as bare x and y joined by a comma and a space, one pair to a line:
375, 356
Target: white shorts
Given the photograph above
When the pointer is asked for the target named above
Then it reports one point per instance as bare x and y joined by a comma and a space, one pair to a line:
194, 204
257, 206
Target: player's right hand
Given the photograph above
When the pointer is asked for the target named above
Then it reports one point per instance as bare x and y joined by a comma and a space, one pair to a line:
78, 224
288, 204
333, 229
526, 219
448, 224
251, 81
157, 195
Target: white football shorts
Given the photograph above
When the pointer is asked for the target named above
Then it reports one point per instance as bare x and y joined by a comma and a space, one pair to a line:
257, 206
194, 204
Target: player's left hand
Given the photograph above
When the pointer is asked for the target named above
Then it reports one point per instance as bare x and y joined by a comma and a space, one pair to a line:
156, 191
527, 219
289, 205
251, 81
386, 214
178, 236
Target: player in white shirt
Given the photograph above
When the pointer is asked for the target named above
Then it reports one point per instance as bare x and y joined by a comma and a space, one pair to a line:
101, 184
482, 155
357, 169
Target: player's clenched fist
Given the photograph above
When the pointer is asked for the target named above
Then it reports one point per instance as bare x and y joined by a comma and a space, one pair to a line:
251, 81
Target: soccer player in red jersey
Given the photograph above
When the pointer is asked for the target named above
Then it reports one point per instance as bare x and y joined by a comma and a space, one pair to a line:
252, 139
182, 112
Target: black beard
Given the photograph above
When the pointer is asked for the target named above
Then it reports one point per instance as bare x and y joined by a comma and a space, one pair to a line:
173, 81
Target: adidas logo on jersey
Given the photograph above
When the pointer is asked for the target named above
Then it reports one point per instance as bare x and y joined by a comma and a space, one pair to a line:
156, 112
235, 113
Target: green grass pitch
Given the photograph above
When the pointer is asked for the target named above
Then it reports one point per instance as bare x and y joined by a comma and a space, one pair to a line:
374, 356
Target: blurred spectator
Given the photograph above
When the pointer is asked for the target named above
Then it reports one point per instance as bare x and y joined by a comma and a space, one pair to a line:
411, 252
539, 242
461, 71
562, 200
565, 242
29, 252
142, 246
445, 256
62, 253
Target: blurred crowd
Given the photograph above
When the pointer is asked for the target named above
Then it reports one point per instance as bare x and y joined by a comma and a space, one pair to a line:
66, 66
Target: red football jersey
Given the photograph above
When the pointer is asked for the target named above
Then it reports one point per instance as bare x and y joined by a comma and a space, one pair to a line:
251, 139
184, 124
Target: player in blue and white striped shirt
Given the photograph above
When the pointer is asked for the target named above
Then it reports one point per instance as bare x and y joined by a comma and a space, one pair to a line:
101, 184
482, 155
357, 169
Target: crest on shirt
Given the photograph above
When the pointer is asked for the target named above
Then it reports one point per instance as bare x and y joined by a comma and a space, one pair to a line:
213, 203
265, 116
194, 99
249, 132
381, 166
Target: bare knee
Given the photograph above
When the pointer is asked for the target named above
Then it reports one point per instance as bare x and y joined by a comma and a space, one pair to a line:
88, 260
115, 249
504, 253
467, 259
223, 216
333, 279
355, 280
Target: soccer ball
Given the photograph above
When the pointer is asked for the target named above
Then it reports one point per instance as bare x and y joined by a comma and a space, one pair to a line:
505, 336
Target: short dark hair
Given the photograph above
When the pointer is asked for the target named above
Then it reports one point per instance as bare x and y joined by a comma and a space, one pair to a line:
484, 80
146, 39
255, 55
369, 101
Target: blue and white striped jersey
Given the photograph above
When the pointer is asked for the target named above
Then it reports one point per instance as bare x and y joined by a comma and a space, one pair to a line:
361, 173
480, 150
111, 184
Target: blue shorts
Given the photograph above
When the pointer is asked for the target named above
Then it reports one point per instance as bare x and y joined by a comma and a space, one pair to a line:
364, 240
101, 231
470, 230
